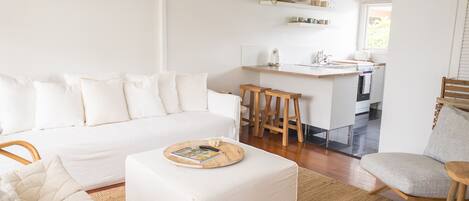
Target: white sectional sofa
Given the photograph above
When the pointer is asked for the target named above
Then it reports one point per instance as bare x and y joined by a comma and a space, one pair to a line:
95, 156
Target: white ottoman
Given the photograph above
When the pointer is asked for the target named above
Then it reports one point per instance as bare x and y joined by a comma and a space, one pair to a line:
260, 176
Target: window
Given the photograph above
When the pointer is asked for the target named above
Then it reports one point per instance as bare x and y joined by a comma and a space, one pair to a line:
459, 67
375, 26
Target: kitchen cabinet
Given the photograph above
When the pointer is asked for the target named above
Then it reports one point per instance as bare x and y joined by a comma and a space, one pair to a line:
329, 95
377, 85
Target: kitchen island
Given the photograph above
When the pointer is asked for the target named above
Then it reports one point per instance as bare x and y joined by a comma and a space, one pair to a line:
329, 94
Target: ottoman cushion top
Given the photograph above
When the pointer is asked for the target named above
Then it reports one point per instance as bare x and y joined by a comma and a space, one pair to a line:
259, 171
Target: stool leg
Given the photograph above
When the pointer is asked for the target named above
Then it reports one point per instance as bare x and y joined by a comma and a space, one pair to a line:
256, 113
350, 135
242, 93
285, 123
299, 126
328, 135
266, 119
452, 190
251, 108
462, 192
277, 114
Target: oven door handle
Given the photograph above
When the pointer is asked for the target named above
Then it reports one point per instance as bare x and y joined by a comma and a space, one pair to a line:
365, 72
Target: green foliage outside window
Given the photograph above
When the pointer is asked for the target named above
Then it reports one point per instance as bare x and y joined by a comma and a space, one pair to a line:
378, 32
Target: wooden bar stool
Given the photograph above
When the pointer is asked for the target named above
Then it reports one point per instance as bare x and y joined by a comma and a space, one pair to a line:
274, 125
254, 104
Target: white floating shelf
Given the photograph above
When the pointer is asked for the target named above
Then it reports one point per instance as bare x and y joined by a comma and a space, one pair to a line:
300, 24
293, 5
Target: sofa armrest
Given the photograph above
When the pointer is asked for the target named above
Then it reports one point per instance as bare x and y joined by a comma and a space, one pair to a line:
226, 105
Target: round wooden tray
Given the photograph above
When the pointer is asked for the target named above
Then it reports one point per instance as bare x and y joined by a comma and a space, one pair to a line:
229, 155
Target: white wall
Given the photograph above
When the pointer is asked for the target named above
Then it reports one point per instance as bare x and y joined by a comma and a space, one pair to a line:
420, 49
43, 37
208, 35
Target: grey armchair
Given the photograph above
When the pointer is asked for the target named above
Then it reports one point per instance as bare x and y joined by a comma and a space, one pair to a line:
417, 177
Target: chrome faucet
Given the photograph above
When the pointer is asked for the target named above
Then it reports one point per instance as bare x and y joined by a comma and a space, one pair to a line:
321, 58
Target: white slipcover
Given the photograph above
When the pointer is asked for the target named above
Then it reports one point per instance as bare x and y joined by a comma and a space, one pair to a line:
261, 176
95, 156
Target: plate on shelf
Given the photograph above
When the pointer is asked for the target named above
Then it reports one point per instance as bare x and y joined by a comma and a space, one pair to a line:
288, 4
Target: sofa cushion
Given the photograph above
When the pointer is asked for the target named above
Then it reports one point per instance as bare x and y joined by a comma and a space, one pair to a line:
58, 105
416, 175
192, 91
104, 101
16, 104
43, 181
448, 141
143, 99
168, 92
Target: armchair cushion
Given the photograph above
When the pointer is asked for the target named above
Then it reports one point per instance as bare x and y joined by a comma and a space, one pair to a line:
448, 141
42, 181
415, 175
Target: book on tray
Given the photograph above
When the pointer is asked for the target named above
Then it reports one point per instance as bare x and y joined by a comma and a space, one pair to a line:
195, 154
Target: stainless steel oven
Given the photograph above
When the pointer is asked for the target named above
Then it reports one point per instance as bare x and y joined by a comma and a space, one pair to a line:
364, 88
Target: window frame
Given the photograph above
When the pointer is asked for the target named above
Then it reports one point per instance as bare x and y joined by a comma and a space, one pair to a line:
363, 26
458, 38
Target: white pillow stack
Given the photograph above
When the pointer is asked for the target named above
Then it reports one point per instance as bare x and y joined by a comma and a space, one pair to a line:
58, 105
93, 100
143, 99
16, 104
104, 101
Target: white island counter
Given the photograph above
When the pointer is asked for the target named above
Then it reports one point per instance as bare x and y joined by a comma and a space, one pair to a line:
329, 94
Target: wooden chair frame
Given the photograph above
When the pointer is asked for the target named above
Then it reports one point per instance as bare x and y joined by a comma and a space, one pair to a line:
454, 93
31, 149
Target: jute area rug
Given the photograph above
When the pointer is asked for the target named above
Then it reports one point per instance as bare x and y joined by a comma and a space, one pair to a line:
311, 187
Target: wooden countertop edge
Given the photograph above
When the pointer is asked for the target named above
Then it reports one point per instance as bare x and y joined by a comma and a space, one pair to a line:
379, 66
258, 69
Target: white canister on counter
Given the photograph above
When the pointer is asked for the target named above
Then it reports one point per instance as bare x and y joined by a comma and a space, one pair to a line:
274, 59
362, 55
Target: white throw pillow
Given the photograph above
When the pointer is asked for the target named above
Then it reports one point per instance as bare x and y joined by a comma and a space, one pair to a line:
142, 97
44, 180
448, 141
168, 92
192, 91
58, 105
7, 192
16, 104
104, 101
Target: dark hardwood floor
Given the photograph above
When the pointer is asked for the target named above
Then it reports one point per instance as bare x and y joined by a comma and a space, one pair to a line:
329, 163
